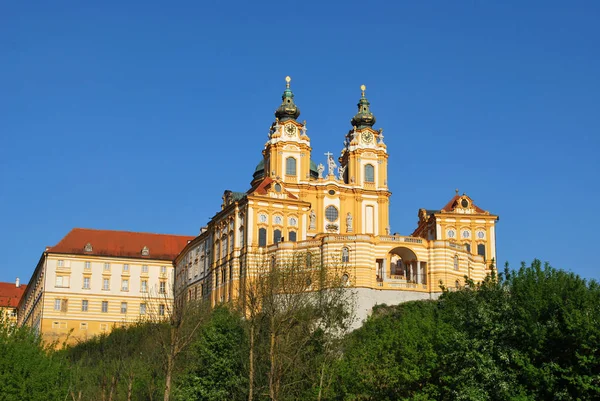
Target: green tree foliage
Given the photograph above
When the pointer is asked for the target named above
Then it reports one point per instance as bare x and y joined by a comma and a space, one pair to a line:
530, 334
215, 368
29, 370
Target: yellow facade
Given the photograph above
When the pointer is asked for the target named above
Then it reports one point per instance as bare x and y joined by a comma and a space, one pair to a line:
339, 212
75, 294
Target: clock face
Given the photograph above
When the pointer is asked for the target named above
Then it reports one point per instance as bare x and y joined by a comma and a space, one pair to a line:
290, 129
293, 221
262, 218
367, 137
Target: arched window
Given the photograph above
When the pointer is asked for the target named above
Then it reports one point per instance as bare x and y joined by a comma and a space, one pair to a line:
369, 173
455, 262
290, 166
262, 237
242, 239
481, 250
468, 247
276, 236
292, 236
345, 255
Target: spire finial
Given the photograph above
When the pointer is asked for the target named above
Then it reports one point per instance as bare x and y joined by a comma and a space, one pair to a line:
456, 190
287, 81
363, 88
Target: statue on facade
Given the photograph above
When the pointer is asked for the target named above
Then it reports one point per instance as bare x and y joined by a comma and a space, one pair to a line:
354, 133
313, 220
304, 129
331, 163
381, 135
276, 127
349, 222
341, 173
320, 169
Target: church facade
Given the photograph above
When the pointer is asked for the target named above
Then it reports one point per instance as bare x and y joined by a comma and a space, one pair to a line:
338, 212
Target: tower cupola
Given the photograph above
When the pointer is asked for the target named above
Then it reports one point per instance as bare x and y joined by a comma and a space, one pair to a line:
288, 110
364, 118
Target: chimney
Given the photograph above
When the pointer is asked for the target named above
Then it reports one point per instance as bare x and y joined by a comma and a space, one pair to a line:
17, 283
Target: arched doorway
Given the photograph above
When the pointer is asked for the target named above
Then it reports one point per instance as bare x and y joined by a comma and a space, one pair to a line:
404, 265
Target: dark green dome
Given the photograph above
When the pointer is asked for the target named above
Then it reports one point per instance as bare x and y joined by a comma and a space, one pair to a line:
288, 109
364, 118
259, 171
314, 173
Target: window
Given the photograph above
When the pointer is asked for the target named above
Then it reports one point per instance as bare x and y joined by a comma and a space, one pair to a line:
86, 283
292, 236
290, 166
59, 325
162, 287
87, 265
125, 268
369, 173
468, 247
84, 305
107, 266
144, 286
142, 309
106, 284
163, 270
123, 307
262, 237
144, 268
331, 214
455, 262
57, 304
62, 282
125, 285
276, 236
83, 326
104, 306
224, 247
61, 263
231, 242
161, 310
481, 250
308, 259
345, 255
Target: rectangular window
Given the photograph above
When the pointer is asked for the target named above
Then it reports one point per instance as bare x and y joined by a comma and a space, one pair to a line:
163, 270
83, 326
123, 307
107, 266
125, 267
86, 283
87, 265
125, 285
262, 237
104, 306
161, 310
84, 305
162, 287
369, 173
142, 309
57, 304
144, 268
59, 325
290, 166
61, 263
106, 284
62, 282
144, 286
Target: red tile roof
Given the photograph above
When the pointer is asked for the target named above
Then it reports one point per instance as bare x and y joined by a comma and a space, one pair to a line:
450, 205
10, 294
121, 244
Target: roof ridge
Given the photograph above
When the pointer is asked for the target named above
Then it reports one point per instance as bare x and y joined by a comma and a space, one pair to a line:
131, 232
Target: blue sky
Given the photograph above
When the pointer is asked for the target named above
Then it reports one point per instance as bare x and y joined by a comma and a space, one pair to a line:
138, 115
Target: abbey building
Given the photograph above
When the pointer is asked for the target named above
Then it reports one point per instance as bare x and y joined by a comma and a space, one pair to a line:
340, 212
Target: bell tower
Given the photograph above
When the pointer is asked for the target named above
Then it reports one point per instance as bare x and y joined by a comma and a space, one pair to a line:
287, 152
364, 161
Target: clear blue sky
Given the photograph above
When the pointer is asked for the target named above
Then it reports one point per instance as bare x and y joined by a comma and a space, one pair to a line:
138, 115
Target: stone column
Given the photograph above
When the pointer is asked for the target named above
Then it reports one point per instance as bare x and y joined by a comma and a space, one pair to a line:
419, 273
